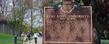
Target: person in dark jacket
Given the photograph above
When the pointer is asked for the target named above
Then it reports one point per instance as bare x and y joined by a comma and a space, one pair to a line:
15, 39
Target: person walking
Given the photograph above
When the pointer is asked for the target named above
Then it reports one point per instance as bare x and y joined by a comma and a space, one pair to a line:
23, 35
15, 39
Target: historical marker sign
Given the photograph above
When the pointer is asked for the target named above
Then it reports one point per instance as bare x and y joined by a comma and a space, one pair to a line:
72, 27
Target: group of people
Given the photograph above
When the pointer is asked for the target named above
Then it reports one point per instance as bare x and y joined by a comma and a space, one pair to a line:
25, 37
29, 36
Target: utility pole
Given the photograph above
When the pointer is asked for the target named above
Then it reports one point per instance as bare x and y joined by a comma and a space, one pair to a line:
31, 15
13, 2
3, 15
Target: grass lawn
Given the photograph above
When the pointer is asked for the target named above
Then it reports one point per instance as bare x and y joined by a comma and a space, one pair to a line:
104, 41
7, 39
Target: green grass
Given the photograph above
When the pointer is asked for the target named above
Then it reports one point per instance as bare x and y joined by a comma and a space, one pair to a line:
104, 41
7, 39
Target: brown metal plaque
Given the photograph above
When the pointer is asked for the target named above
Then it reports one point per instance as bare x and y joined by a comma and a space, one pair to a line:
72, 27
